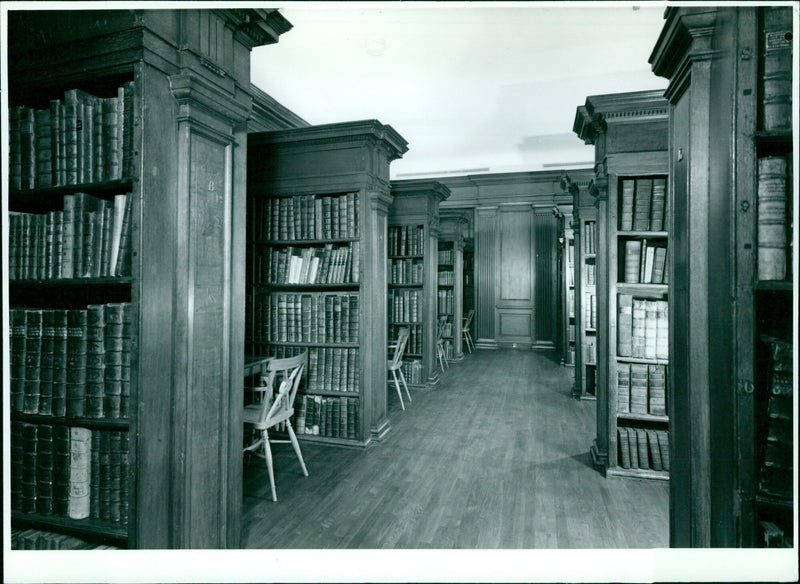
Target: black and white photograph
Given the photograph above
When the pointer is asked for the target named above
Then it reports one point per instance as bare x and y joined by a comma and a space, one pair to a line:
403, 291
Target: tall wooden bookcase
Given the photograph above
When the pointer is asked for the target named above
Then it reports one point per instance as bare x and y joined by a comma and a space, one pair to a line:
730, 121
190, 102
412, 278
629, 132
451, 278
309, 188
469, 286
584, 225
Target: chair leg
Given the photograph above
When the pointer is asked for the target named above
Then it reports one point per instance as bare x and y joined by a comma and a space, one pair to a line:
397, 385
444, 354
439, 352
268, 458
403, 379
296, 446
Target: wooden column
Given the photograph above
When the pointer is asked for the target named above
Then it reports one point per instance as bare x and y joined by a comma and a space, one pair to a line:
485, 262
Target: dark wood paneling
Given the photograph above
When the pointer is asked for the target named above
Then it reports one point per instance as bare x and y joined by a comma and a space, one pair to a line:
485, 261
546, 284
516, 249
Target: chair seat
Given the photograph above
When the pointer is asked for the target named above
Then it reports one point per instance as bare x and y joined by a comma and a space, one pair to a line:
252, 414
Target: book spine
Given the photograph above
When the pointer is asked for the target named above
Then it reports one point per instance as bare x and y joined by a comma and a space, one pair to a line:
128, 90
59, 399
17, 461
80, 472
123, 267
68, 237
77, 347
33, 356
772, 218
642, 202
98, 147
30, 445
95, 360
776, 75
44, 470
112, 158
27, 131
61, 470
14, 148
47, 358
44, 149
18, 359
623, 387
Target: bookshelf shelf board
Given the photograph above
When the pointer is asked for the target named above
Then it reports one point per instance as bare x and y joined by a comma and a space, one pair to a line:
405, 323
590, 330
569, 364
641, 234
330, 393
420, 285
782, 137
121, 282
775, 285
301, 242
591, 364
589, 255
332, 441
642, 417
45, 199
91, 423
642, 288
265, 288
405, 257
638, 473
774, 502
445, 265
445, 285
447, 336
412, 354
589, 397
94, 527
305, 344
644, 361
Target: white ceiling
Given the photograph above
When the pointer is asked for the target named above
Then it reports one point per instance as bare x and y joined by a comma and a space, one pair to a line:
473, 87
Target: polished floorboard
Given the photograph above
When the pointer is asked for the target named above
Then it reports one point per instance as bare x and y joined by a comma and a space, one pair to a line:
494, 456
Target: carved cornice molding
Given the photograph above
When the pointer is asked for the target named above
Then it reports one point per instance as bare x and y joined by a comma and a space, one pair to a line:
379, 200
202, 102
256, 27
372, 132
593, 118
268, 114
686, 38
598, 188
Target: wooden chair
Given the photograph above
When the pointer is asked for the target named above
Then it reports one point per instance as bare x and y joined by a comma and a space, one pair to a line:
465, 330
396, 362
271, 409
440, 342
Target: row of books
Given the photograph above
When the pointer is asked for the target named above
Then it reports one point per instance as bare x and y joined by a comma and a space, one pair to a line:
445, 257
71, 363
642, 328
590, 311
329, 368
446, 278
590, 271
406, 240
412, 371
643, 206
570, 356
84, 139
642, 389
334, 417
445, 302
590, 350
311, 265
571, 252
590, 237
36, 539
70, 472
89, 238
774, 218
776, 450
645, 263
775, 79
307, 318
406, 271
449, 353
643, 448
447, 330
571, 303
405, 306
571, 333
415, 337
305, 217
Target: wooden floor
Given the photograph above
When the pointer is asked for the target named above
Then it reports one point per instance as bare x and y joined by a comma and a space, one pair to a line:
494, 456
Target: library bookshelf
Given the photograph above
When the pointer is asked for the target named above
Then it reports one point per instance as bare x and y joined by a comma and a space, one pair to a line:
315, 203
731, 389
629, 132
569, 326
98, 192
412, 278
585, 309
